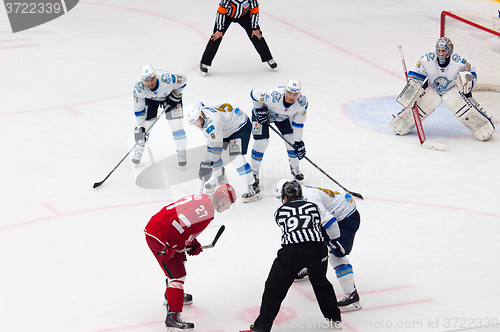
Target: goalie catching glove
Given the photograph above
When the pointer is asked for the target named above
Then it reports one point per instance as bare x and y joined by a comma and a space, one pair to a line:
300, 149
464, 82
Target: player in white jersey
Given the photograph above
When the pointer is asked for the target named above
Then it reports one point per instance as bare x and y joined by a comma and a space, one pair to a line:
225, 126
159, 88
287, 108
340, 220
443, 76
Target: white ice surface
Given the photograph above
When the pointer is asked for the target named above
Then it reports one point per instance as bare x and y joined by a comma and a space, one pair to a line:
72, 258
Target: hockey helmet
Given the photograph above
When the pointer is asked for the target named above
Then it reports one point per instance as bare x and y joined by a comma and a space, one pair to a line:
291, 190
444, 50
293, 86
193, 113
279, 187
147, 72
225, 193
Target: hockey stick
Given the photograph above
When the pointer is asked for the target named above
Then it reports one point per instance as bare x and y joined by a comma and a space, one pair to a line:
317, 167
98, 184
211, 245
416, 117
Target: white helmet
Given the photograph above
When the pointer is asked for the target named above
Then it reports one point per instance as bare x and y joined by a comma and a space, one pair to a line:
193, 112
293, 85
147, 71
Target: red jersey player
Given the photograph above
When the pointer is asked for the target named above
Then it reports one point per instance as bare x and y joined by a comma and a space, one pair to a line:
175, 228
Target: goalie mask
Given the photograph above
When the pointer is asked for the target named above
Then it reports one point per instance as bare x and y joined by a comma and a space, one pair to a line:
444, 49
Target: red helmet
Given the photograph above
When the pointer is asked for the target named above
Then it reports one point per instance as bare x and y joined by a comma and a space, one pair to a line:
225, 192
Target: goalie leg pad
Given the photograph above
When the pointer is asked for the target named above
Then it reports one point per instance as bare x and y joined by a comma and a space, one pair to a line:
427, 103
465, 111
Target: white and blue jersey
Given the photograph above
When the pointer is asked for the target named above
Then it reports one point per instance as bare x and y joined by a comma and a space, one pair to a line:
441, 79
334, 206
167, 83
274, 100
221, 122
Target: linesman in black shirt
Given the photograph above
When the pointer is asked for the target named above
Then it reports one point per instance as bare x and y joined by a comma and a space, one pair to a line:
302, 245
246, 14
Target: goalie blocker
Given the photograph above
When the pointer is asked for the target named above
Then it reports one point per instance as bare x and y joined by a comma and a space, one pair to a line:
464, 108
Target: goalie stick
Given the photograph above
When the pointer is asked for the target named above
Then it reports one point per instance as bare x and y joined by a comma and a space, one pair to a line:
211, 245
416, 117
98, 184
317, 167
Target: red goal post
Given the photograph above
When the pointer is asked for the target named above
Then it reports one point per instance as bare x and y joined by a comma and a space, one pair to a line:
476, 37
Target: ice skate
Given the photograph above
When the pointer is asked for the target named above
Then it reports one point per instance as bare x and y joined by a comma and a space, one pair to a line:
181, 158
349, 302
174, 321
253, 193
136, 159
273, 64
203, 69
297, 174
302, 275
215, 181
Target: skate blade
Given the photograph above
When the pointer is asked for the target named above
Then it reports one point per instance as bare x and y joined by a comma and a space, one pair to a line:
351, 307
253, 198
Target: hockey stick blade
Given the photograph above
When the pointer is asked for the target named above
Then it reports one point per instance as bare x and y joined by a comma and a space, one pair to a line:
98, 184
216, 238
434, 145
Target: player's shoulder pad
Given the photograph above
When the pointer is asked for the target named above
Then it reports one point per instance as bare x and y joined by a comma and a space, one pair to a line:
139, 88
302, 100
428, 57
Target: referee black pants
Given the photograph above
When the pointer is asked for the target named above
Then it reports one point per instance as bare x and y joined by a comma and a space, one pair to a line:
291, 259
259, 44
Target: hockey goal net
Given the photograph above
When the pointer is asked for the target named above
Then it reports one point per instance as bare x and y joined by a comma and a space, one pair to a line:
476, 37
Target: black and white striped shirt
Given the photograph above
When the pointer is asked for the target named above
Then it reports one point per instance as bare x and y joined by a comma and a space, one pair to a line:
299, 221
236, 9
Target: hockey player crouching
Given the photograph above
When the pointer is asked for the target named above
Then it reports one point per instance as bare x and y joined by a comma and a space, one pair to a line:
301, 245
340, 221
159, 88
175, 228
442, 76
225, 126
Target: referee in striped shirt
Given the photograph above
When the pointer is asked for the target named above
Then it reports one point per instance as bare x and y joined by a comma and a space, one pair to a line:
302, 245
246, 14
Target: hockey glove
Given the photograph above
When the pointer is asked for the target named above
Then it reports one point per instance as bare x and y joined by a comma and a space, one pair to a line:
263, 115
170, 250
336, 248
205, 170
172, 101
140, 135
300, 149
194, 248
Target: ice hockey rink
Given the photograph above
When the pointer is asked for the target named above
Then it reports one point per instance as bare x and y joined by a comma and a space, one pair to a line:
74, 258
